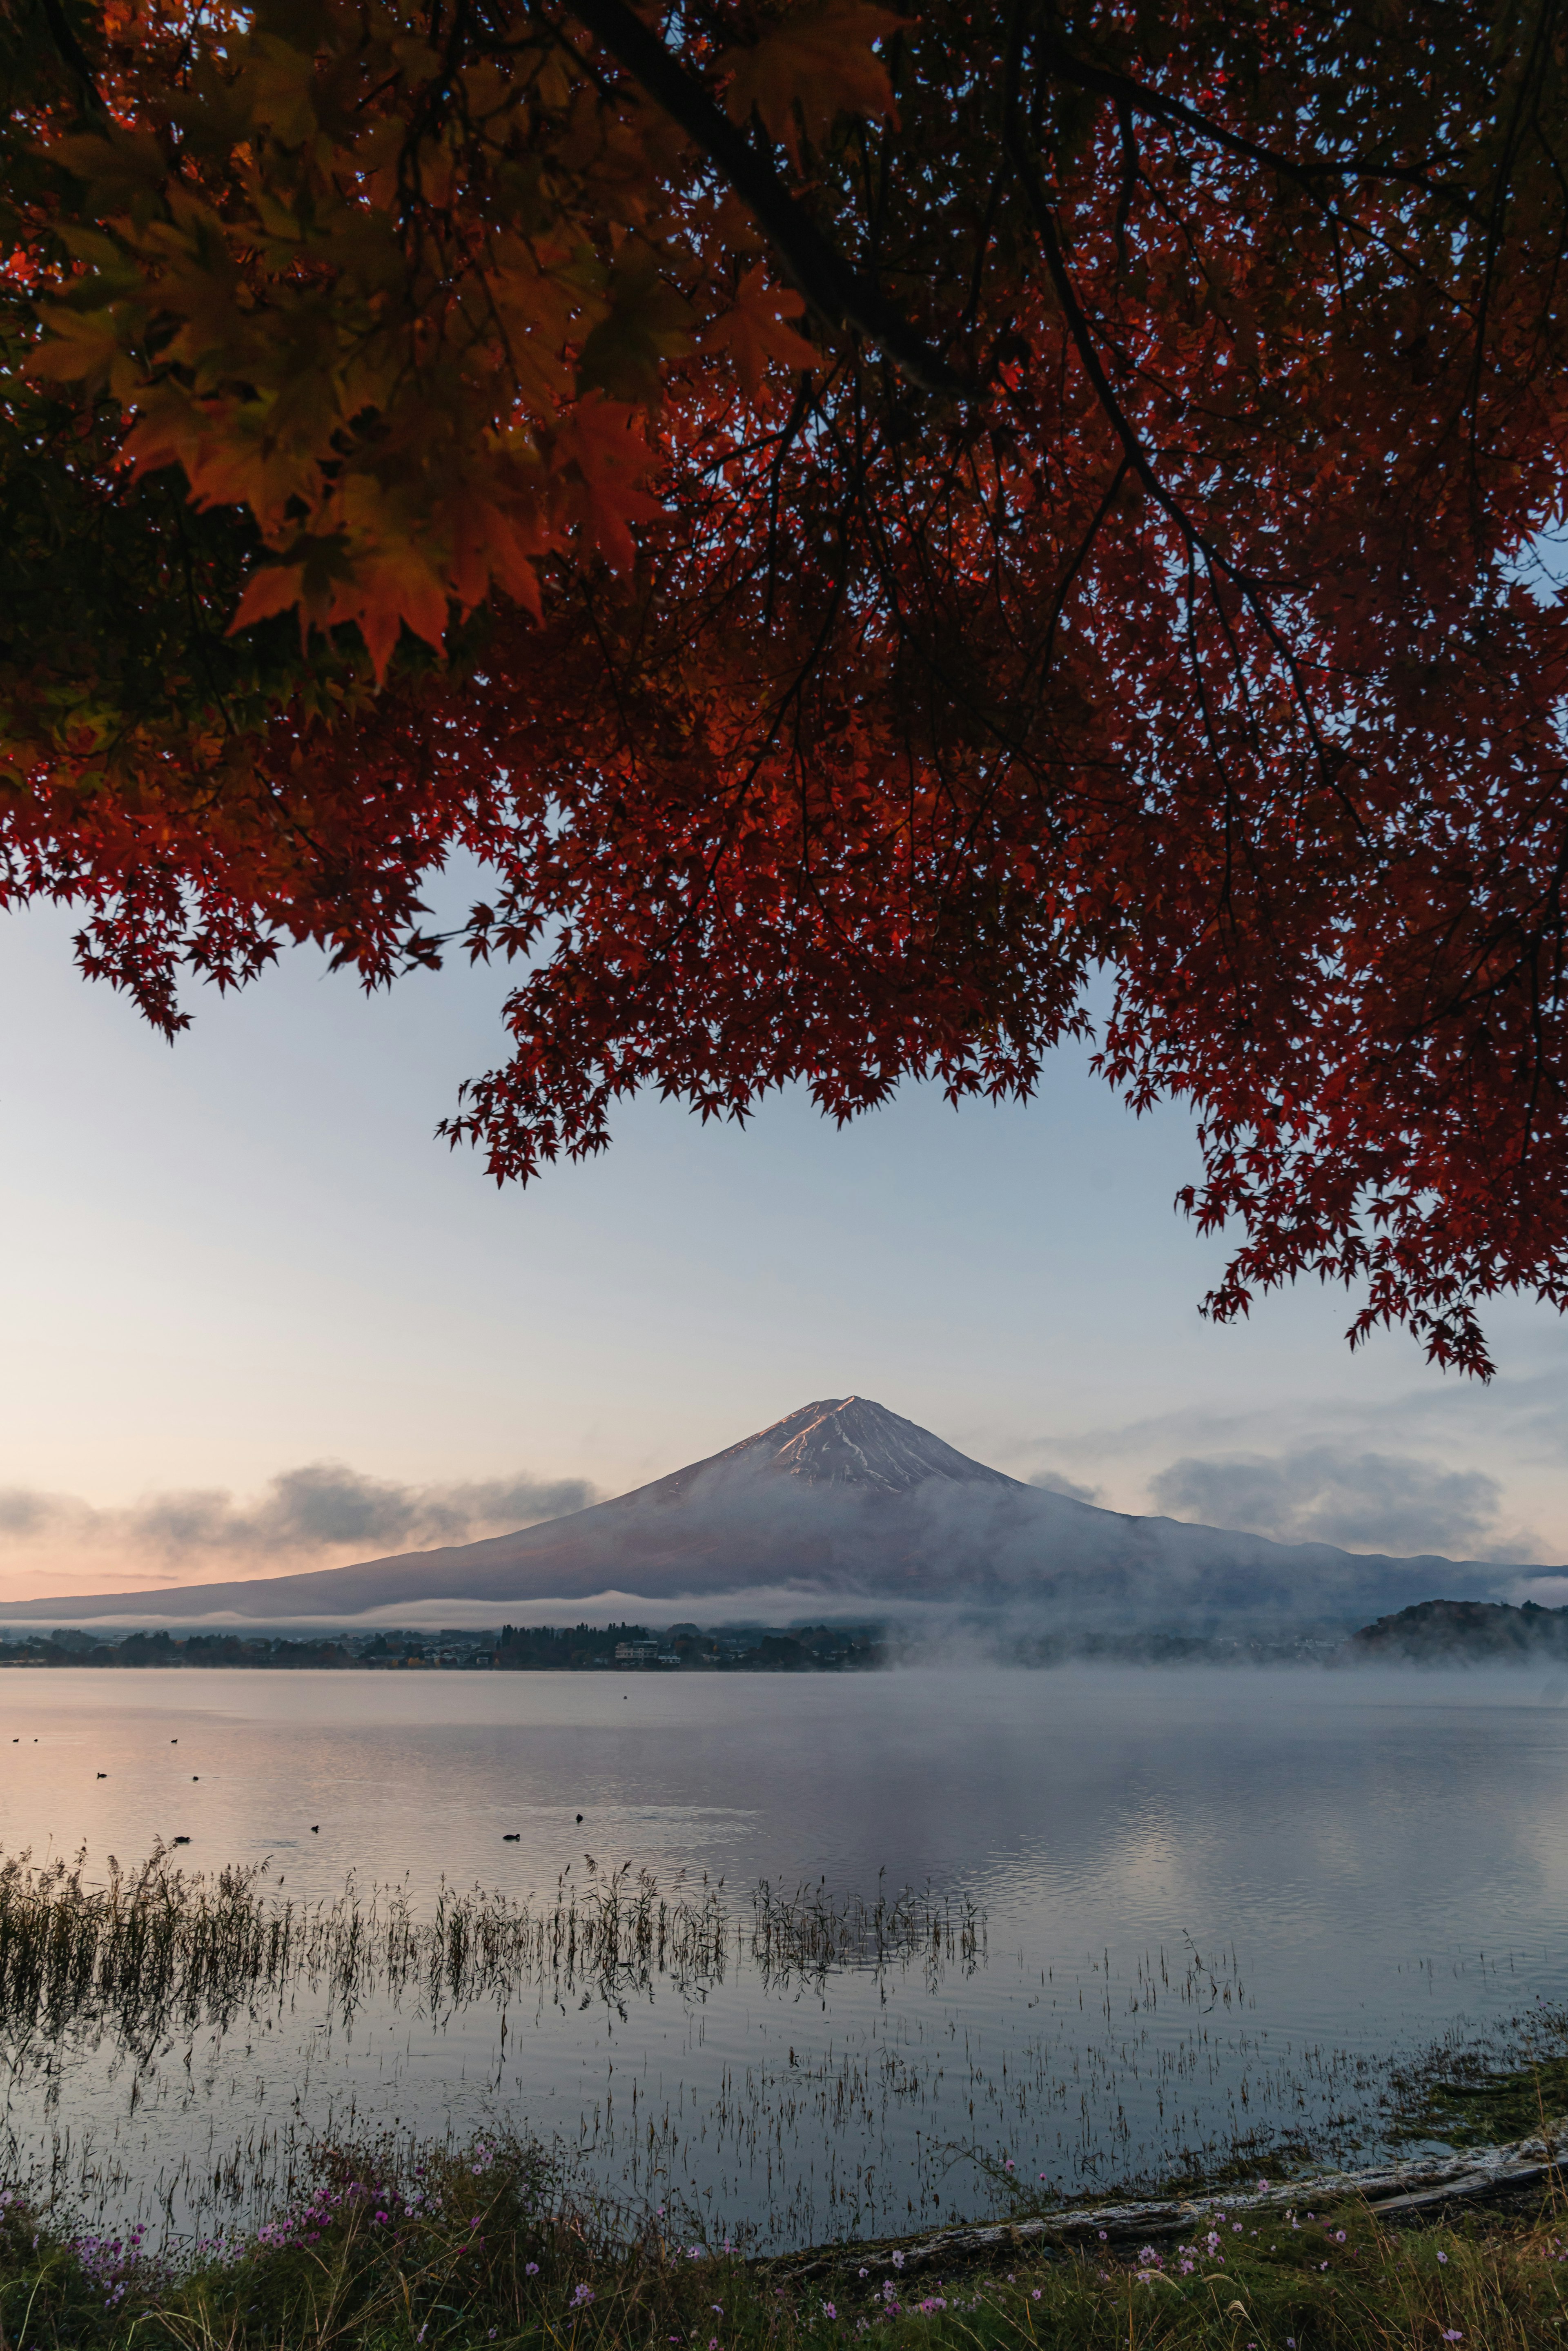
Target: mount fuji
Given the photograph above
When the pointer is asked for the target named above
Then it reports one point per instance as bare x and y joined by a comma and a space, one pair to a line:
842, 1507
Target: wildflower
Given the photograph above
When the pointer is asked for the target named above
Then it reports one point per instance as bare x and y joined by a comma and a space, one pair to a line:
1236, 2228
1339, 2236
581, 2297
1452, 2334
865, 2274
1035, 2295
1102, 2236
531, 2269
1442, 2257
830, 2310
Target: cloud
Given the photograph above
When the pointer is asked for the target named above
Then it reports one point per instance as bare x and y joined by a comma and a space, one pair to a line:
1053, 1483
1325, 1493
323, 1507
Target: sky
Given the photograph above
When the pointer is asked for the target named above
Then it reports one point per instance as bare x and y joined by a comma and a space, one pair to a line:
258, 1318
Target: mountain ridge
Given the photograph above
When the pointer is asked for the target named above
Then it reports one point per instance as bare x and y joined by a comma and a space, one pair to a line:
846, 1505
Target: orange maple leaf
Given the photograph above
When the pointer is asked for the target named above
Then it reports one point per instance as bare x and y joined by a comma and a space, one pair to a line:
819, 61
756, 329
604, 439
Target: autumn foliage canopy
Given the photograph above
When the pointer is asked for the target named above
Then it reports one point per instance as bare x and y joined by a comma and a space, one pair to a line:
860, 519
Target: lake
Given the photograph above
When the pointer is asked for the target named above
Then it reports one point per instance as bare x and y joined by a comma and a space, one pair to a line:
1206, 1911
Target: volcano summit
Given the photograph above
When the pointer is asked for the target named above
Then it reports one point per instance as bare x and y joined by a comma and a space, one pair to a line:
841, 1508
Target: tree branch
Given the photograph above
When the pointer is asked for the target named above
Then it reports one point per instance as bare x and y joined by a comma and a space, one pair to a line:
73, 56
835, 290
1135, 96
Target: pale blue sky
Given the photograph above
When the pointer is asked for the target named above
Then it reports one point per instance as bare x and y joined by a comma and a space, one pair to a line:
245, 1254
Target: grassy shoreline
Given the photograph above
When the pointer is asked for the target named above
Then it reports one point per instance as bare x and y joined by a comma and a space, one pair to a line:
466, 2249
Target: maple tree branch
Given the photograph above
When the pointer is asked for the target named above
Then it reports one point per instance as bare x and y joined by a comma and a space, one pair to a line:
820, 271
1130, 95
1214, 562
73, 56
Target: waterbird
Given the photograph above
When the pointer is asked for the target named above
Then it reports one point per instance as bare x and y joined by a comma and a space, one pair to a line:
181, 1840
103, 1775
580, 1815
195, 1775
510, 1837
314, 1828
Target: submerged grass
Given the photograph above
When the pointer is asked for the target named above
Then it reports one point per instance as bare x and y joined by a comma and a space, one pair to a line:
156, 1949
1486, 2090
462, 2250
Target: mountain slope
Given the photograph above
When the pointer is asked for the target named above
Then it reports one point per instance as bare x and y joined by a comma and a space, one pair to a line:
841, 1504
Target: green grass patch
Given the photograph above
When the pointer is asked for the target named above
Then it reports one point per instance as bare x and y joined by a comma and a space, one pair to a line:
487, 2247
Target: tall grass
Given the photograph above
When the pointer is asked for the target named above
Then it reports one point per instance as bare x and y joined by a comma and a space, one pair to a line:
462, 2250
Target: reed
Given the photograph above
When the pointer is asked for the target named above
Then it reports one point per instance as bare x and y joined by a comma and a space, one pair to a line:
156, 1949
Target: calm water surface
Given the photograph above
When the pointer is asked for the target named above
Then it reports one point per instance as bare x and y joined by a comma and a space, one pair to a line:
1215, 1904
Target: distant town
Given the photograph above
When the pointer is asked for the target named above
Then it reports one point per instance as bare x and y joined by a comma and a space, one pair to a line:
1434, 1632
511, 1648
635, 1649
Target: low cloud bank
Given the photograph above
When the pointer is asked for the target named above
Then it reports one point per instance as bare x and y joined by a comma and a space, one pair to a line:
1361, 1501
1049, 1481
302, 1513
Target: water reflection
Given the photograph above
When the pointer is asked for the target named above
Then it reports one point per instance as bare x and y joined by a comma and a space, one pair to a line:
1215, 1904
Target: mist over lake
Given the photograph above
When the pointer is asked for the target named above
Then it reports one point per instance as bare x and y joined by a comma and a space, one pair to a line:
1208, 1908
